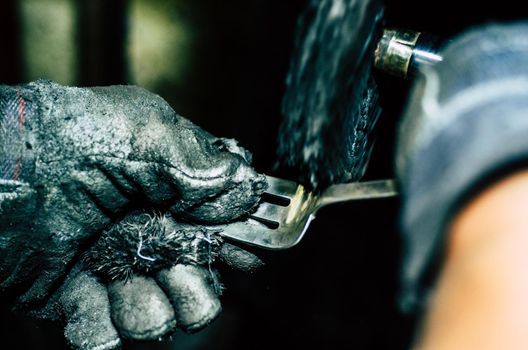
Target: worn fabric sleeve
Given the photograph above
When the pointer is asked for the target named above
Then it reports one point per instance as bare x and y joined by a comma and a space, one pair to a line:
466, 125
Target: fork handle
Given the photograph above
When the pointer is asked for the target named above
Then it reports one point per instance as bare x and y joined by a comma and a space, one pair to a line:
358, 191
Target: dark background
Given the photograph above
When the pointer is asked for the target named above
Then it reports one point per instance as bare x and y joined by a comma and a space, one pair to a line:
338, 288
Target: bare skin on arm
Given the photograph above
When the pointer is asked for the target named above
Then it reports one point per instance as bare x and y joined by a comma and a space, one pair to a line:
481, 299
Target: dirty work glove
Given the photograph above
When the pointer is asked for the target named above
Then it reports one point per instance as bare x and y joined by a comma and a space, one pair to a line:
146, 275
75, 161
466, 125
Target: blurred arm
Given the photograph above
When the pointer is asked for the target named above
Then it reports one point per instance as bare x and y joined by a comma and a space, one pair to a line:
481, 299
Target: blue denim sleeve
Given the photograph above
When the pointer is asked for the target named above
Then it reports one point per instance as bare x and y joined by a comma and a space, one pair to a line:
465, 126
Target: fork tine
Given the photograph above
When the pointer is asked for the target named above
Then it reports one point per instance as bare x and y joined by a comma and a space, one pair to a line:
281, 188
269, 212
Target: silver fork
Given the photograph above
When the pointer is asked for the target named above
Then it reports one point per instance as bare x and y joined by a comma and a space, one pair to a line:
287, 208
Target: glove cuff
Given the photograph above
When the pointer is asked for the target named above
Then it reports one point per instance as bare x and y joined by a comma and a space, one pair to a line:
18, 112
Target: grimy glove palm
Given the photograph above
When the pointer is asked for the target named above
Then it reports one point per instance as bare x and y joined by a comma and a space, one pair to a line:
114, 170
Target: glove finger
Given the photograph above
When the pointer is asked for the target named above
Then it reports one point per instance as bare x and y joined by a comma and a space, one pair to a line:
140, 309
86, 308
50, 272
192, 293
239, 258
240, 195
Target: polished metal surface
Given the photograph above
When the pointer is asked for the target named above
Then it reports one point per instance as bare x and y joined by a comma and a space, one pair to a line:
395, 51
287, 208
404, 52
